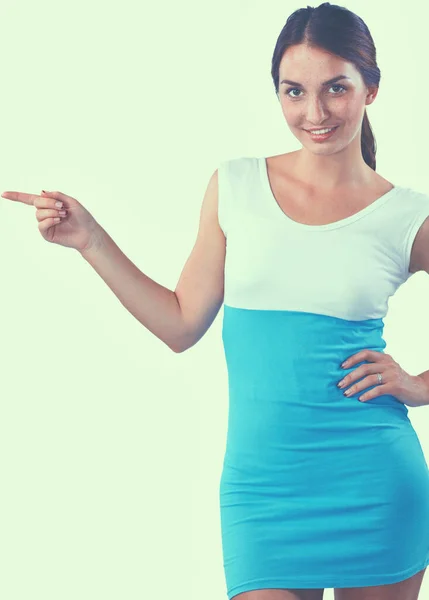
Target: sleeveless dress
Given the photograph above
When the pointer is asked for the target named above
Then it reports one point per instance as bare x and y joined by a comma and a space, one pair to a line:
317, 490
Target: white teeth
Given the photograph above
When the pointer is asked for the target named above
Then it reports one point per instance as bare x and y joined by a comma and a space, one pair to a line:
321, 131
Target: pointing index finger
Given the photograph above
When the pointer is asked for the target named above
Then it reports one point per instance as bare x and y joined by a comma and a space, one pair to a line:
20, 197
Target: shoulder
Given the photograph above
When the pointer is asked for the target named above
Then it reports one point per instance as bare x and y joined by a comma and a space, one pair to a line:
281, 162
419, 256
280, 168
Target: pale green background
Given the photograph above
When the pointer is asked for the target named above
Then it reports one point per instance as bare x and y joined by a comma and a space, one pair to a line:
111, 444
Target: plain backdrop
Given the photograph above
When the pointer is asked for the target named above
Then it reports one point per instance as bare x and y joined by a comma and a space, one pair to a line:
112, 445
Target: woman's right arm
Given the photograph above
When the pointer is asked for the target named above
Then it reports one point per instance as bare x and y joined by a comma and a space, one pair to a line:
179, 318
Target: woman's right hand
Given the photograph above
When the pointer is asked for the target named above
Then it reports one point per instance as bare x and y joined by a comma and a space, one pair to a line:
78, 229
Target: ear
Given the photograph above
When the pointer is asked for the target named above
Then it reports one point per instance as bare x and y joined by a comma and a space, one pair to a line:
371, 95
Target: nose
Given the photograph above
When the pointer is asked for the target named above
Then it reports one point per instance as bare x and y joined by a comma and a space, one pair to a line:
316, 111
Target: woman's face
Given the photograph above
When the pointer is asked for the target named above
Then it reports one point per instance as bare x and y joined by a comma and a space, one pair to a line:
313, 104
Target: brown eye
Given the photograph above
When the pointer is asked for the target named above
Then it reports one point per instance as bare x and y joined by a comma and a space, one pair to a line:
332, 86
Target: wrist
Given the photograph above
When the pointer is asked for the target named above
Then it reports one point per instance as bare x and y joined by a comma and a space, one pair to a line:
423, 381
97, 242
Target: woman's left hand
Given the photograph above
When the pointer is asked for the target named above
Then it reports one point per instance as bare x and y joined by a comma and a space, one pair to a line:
411, 390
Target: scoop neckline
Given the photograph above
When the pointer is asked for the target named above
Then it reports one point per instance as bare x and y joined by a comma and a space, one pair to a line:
334, 224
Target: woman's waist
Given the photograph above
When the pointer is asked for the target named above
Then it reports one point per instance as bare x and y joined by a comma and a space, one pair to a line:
292, 371
318, 399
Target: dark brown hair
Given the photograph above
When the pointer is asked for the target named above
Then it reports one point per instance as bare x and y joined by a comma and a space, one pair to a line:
341, 32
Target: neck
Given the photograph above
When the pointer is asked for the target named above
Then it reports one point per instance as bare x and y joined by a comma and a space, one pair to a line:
331, 172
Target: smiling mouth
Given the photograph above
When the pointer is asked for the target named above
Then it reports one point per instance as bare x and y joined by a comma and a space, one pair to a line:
321, 129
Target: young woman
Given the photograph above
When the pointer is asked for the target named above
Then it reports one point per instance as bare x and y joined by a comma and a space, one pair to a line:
322, 486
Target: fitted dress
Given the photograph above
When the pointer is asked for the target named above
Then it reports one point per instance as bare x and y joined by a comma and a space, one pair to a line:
317, 490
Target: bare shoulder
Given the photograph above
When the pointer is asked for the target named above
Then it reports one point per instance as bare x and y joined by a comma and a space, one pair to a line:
382, 184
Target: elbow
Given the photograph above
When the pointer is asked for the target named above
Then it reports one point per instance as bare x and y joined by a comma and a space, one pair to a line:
176, 350
179, 350
178, 347
183, 344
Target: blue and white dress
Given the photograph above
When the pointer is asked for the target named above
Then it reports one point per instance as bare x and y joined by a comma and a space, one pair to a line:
317, 490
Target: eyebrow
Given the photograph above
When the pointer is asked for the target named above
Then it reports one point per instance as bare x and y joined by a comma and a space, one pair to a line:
333, 80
